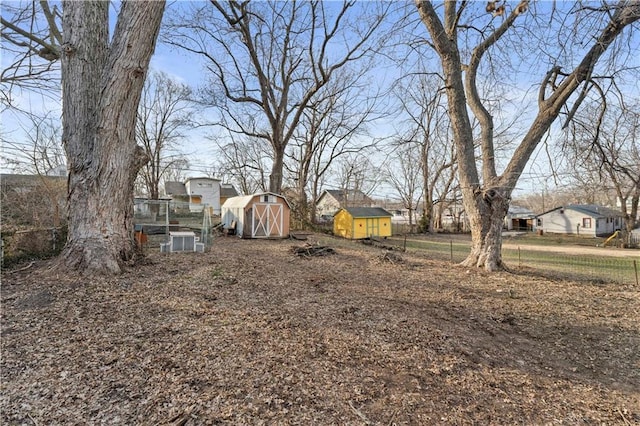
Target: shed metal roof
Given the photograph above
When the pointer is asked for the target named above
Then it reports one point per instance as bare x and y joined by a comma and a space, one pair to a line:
243, 200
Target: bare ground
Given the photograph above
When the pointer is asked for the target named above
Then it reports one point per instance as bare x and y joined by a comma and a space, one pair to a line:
251, 333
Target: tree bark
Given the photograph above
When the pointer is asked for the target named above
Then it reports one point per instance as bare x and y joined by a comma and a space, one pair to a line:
101, 86
275, 178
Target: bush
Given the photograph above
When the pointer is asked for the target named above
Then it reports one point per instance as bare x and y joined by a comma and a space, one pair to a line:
24, 245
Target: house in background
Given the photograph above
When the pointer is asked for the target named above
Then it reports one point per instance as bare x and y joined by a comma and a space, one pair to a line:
263, 215
198, 192
362, 222
332, 200
580, 219
227, 191
519, 219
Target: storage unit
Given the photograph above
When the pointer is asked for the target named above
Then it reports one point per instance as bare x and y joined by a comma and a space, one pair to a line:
263, 215
362, 222
182, 241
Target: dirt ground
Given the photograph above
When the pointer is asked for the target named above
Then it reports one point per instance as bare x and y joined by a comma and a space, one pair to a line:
251, 333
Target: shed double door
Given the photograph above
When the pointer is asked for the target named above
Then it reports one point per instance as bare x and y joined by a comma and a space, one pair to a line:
267, 220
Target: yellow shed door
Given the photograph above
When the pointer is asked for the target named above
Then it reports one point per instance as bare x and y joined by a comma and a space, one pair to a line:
366, 227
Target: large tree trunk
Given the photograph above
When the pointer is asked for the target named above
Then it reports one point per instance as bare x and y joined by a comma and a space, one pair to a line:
275, 178
486, 213
101, 90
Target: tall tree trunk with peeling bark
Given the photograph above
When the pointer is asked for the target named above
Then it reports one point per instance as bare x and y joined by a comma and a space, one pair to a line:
486, 195
102, 81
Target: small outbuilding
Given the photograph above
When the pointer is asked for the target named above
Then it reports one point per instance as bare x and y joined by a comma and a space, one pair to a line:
264, 215
362, 222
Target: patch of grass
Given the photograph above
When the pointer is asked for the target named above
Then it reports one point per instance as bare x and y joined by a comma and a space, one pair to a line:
580, 267
554, 240
217, 272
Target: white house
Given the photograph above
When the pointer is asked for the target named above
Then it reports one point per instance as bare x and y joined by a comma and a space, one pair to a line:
580, 219
198, 192
332, 200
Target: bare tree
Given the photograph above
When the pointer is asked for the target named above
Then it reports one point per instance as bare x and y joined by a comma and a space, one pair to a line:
486, 194
42, 159
405, 177
604, 153
177, 170
424, 126
102, 81
245, 162
31, 45
163, 117
40, 153
270, 60
357, 173
334, 124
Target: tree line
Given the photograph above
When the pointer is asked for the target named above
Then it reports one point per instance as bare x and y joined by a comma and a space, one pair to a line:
292, 96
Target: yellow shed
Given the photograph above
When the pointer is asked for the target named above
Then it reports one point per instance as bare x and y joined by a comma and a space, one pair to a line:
362, 222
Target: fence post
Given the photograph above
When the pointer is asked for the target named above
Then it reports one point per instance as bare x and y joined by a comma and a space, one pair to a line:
451, 249
635, 268
519, 259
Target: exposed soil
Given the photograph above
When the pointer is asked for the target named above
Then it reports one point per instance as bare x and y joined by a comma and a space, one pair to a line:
253, 333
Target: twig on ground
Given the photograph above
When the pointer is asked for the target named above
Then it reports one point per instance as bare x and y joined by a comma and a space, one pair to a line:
359, 414
626, 422
21, 269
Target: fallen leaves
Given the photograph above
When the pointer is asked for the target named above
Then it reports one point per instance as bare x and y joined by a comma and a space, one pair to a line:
255, 333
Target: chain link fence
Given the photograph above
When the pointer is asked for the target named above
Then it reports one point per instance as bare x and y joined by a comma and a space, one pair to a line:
599, 269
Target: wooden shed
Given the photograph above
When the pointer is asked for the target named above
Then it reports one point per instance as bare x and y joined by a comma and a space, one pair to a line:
362, 222
264, 215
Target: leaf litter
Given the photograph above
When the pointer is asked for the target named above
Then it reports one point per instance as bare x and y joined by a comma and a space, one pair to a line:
254, 333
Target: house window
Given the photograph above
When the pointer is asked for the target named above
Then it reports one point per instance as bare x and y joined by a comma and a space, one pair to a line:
539, 222
586, 222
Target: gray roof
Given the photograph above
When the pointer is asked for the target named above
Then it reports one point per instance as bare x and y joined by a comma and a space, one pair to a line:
228, 191
175, 188
367, 212
517, 212
592, 210
595, 210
